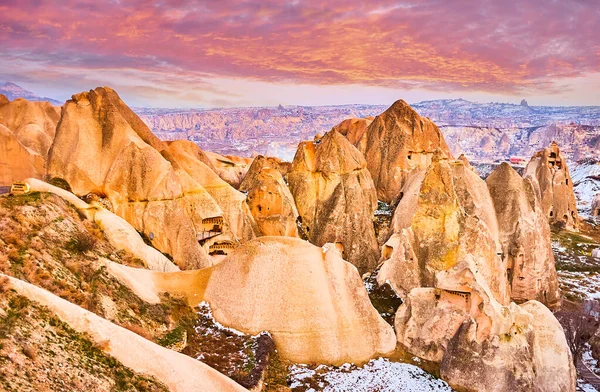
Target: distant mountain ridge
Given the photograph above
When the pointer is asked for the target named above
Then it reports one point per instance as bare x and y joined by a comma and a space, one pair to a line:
13, 91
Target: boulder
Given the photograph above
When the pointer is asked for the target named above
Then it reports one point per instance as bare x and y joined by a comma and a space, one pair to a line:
17, 162
552, 181
270, 200
312, 302
102, 147
32, 123
336, 198
397, 142
525, 237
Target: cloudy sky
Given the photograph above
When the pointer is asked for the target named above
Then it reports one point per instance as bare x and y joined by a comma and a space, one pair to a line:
213, 53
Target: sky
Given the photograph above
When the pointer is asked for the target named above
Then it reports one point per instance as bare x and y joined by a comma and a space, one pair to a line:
224, 53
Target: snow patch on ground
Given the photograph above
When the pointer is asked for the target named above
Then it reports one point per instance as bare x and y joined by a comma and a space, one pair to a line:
378, 375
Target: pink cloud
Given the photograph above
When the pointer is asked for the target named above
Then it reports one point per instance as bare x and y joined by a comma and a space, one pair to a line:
499, 47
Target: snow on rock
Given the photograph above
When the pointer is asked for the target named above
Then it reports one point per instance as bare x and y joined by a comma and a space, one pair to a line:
586, 181
377, 375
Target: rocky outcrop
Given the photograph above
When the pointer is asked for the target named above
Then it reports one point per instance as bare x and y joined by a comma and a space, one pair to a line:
525, 237
270, 200
336, 198
32, 123
102, 147
16, 161
552, 181
445, 217
3, 100
177, 371
312, 302
239, 225
397, 142
532, 355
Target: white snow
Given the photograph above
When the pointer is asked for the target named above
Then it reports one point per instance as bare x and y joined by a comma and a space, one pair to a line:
378, 375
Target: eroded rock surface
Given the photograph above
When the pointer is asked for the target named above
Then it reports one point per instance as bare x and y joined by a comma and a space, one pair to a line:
550, 176
525, 237
397, 142
17, 162
102, 147
336, 198
270, 200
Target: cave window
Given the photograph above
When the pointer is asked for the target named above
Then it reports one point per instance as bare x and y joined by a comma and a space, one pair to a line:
573, 214
259, 208
409, 155
565, 217
567, 181
551, 214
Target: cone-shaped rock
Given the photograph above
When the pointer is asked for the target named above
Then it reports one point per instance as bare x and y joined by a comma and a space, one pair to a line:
397, 142
336, 198
525, 238
270, 200
451, 217
551, 178
102, 147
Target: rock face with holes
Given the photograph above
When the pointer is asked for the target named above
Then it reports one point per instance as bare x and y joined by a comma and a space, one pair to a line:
102, 147
238, 223
270, 200
396, 143
312, 301
552, 181
525, 237
444, 218
336, 198
17, 162
32, 123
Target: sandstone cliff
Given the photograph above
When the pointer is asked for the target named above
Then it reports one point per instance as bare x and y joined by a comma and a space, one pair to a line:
551, 179
336, 198
525, 238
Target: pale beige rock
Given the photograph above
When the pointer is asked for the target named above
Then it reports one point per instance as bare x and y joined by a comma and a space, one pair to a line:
550, 176
33, 123
177, 371
336, 198
117, 230
16, 161
401, 266
270, 200
102, 147
312, 302
397, 142
532, 356
525, 238
554, 368
230, 168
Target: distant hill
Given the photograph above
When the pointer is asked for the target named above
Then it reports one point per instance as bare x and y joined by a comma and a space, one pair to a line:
13, 91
